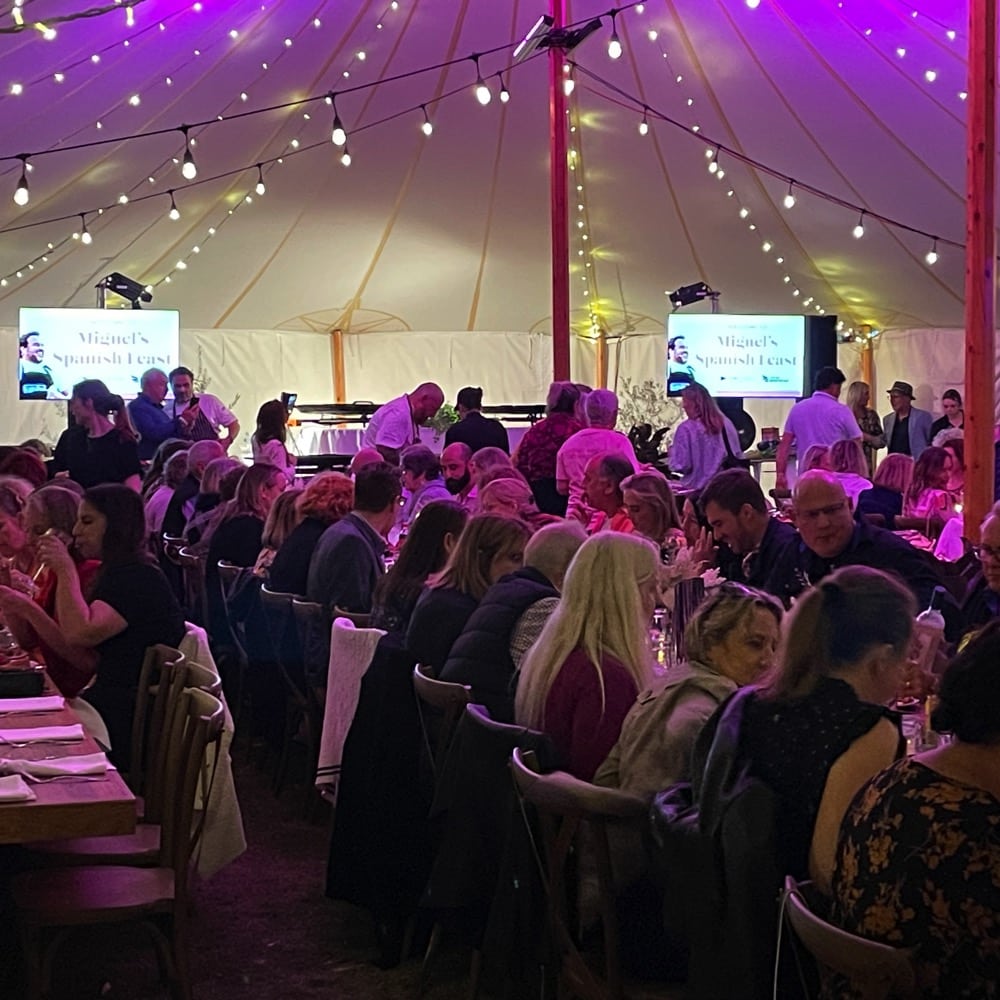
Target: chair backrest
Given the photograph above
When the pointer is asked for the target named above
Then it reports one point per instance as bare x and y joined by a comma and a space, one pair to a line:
562, 802
204, 679
150, 712
448, 700
879, 971
307, 615
172, 545
356, 618
196, 596
878, 520
197, 724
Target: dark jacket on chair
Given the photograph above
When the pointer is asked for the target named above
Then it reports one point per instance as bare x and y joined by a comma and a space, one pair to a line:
481, 656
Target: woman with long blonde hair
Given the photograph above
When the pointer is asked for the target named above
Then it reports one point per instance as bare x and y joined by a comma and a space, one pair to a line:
582, 676
872, 434
698, 448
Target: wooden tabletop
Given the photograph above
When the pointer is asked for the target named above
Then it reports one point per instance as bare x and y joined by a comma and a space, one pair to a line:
70, 807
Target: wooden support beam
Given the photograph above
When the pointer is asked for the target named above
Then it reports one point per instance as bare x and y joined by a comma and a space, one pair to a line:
559, 216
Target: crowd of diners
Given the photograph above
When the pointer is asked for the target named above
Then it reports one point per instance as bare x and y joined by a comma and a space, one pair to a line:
533, 577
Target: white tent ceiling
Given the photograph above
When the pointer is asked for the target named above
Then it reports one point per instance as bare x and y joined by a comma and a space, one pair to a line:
450, 232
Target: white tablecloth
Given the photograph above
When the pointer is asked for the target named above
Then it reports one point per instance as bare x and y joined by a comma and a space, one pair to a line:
323, 439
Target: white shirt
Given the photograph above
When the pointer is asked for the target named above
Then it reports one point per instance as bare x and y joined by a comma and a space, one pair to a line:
274, 453
577, 450
391, 426
215, 412
820, 419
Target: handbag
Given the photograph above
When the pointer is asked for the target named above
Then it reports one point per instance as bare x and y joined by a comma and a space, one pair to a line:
730, 461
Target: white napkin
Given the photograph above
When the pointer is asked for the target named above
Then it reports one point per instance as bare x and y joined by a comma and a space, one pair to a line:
44, 703
13, 789
42, 734
60, 767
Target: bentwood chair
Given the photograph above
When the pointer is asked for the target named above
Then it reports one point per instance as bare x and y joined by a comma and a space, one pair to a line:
195, 595
51, 902
878, 971
447, 701
565, 806
236, 639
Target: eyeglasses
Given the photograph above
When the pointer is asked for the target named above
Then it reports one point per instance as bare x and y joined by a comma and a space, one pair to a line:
984, 552
818, 512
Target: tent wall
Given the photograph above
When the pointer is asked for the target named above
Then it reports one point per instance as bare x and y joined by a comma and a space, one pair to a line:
251, 366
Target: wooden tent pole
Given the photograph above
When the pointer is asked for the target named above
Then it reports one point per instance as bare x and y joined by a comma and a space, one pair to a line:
337, 357
980, 257
559, 217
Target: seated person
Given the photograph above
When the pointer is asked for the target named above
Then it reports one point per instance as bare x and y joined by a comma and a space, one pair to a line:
749, 538
651, 507
153, 478
981, 604
849, 465
422, 482
473, 428
172, 475
208, 498
816, 728
424, 552
730, 641
282, 519
602, 492
488, 548
129, 608
919, 851
508, 495
829, 538
582, 676
326, 499
890, 483
181, 505
927, 495
457, 476
481, 655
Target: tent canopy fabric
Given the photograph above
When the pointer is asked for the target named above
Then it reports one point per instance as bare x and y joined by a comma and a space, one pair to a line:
860, 99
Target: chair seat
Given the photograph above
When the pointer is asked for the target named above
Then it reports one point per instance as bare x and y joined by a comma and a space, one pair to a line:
63, 897
139, 848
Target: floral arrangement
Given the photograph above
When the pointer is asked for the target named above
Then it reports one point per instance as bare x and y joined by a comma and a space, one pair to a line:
442, 420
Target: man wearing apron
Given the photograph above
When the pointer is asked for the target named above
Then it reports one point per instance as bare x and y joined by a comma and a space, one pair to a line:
200, 418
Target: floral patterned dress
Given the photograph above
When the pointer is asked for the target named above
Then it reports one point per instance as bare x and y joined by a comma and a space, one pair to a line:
918, 866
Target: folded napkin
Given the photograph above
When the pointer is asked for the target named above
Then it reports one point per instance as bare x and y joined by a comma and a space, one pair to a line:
13, 789
60, 767
42, 734
45, 703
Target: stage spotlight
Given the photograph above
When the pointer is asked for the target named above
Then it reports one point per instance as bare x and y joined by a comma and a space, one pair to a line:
688, 294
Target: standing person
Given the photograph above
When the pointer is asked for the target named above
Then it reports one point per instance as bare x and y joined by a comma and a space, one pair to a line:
820, 419
599, 438
268, 441
698, 450
535, 457
473, 428
396, 424
201, 418
95, 450
152, 422
907, 429
954, 415
859, 395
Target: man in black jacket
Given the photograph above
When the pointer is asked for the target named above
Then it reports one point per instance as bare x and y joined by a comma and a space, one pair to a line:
481, 655
473, 428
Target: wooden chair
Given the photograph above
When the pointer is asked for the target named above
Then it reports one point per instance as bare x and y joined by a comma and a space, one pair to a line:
356, 618
448, 701
195, 595
878, 970
878, 520
563, 803
172, 545
236, 640
50, 902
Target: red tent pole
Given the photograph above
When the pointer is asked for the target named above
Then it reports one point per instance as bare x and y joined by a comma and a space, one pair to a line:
980, 257
559, 217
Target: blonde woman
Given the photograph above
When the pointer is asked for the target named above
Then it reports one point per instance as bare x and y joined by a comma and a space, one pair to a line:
848, 464
283, 518
859, 394
892, 480
582, 676
653, 510
698, 449
510, 496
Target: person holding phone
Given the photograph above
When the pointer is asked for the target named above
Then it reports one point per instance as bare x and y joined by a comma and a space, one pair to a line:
203, 417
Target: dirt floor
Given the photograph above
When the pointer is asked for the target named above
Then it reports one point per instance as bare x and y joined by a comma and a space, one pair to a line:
262, 928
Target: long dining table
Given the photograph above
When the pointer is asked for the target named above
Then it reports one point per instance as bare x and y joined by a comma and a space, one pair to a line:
76, 806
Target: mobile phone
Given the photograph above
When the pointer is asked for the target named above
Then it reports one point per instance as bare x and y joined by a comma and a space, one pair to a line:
193, 401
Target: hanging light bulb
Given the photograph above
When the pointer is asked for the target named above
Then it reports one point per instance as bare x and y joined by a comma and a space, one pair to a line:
261, 188
85, 238
614, 43
789, 201
713, 164
428, 126
174, 214
483, 94
338, 136
644, 124
859, 229
932, 255
21, 192
189, 169
504, 92
345, 157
